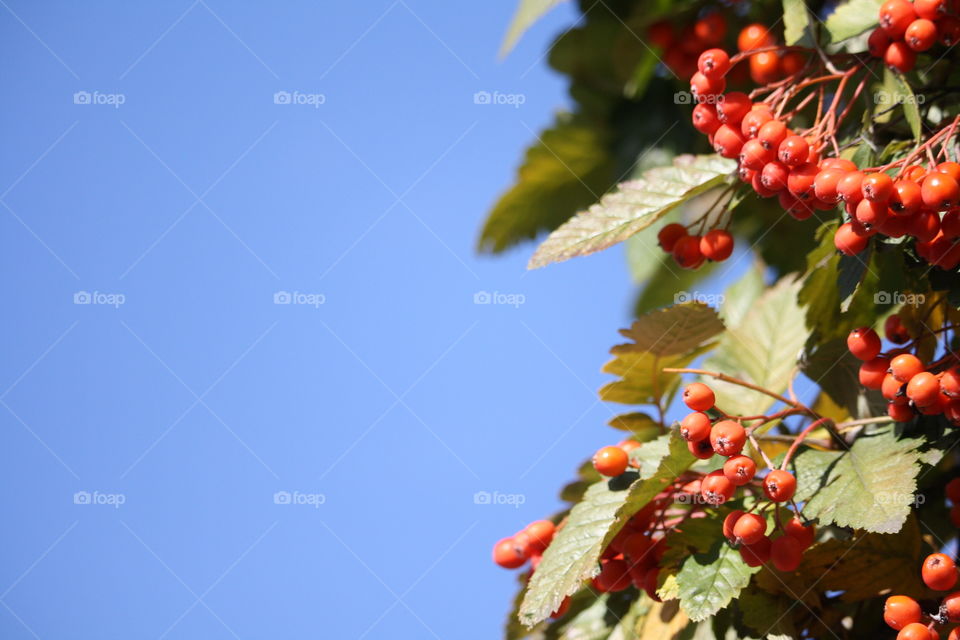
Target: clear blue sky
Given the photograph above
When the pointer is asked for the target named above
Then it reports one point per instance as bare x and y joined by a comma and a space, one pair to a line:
183, 391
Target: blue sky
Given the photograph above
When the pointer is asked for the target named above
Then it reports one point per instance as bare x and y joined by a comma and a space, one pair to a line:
157, 200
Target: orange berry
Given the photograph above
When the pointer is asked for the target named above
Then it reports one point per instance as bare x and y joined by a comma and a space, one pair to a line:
698, 396
939, 572
779, 485
755, 36
610, 461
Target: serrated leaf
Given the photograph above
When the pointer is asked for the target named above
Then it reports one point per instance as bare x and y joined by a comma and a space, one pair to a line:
562, 172
868, 564
528, 12
574, 554
664, 621
709, 581
671, 331
871, 486
898, 93
643, 380
796, 23
766, 613
762, 349
851, 272
853, 18
633, 206
642, 427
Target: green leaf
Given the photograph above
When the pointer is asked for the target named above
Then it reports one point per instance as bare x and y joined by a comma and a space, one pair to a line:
633, 206
739, 297
832, 367
671, 331
574, 554
905, 97
528, 12
709, 581
851, 272
762, 349
853, 18
562, 172
871, 486
766, 613
642, 427
642, 378
796, 23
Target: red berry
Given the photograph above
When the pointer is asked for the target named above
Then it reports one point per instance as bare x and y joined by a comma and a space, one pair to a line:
950, 224
793, 151
610, 461
740, 470
804, 534
923, 389
847, 241
714, 63
698, 396
716, 488
764, 67
872, 372
701, 449
951, 169
876, 187
661, 34
686, 252
613, 576
896, 16
754, 36
921, 34
779, 485
950, 383
930, 9
900, 57
899, 611
772, 133
917, 631
703, 87
711, 28
751, 123
562, 609
728, 437
749, 528
905, 198
951, 606
864, 343
728, 524
900, 412
734, 106
705, 119
825, 184
800, 180
849, 187
871, 214
949, 28
904, 366
753, 155
774, 176
508, 555
695, 427
939, 572
953, 491
786, 553
727, 141
541, 534
924, 225
717, 245
939, 191
792, 62
756, 554
878, 42
894, 391
668, 236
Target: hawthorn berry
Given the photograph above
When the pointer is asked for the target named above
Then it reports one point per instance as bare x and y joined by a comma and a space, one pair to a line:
951, 606
717, 244
786, 553
757, 553
734, 106
701, 449
950, 224
613, 576
847, 241
800, 180
637, 547
916, 631
751, 123
716, 488
893, 390
562, 609
900, 611
711, 28
508, 555
695, 427
904, 366
939, 572
740, 470
667, 237
951, 169
900, 56
793, 151
872, 372
754, 155
899, 412
705, 119
924, 225
728, 524
714, 63
774, 176
878, 42
728, 437
792, 62
764, 67
686, 252
930, 9
779, 485
939, 191
772, 133
921, 34
825, 184
698, 396
949, 29
864, 343
610, 461
849, 187
923, 389
754, 36
541, 535
804, 534
871, 214
896, 16
749, 528
876, 187
727, 141
905, 197
703, 87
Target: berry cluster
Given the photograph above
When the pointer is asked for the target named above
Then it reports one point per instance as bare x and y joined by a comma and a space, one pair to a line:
908, 28
904, 614
908, 384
